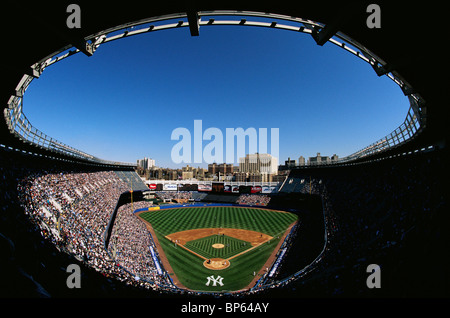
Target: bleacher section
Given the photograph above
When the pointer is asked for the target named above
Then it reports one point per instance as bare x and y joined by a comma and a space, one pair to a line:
198, 196
293, 184
34, 266
389, 212
132, 179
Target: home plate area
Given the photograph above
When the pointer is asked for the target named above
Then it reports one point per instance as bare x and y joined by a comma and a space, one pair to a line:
216, 263
217, 246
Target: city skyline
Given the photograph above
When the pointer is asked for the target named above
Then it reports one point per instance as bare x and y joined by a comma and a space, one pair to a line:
124, 102
221, 166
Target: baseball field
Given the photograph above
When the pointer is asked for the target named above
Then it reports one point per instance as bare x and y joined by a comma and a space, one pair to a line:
217, 249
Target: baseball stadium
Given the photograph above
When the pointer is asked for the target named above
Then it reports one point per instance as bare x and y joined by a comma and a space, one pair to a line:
314, 234
214, 238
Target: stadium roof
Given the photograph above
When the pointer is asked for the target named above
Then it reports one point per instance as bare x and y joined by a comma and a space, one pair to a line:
410, 40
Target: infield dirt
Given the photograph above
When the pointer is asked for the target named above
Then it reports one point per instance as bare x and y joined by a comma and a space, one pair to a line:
255, 238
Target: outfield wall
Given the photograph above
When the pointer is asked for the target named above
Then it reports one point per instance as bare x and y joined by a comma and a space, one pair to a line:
173, 206
196, 205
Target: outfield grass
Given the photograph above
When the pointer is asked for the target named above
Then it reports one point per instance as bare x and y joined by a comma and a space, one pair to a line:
189, 268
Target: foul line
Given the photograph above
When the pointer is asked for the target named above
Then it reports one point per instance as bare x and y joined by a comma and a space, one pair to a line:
202, 257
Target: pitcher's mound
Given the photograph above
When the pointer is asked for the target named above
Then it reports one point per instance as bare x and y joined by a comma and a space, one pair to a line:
216, 263
218, 245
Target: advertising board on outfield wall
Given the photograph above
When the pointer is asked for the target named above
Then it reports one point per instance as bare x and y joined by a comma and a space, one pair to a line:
204, 187
216, 187
255, 189
170, 187
268, 189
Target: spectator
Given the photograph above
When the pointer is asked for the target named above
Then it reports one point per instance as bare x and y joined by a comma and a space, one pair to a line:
253, 199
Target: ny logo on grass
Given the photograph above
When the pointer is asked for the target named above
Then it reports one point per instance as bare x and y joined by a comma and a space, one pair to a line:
214, 281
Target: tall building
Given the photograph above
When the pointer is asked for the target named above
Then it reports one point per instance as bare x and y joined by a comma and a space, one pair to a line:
223, 168
187, 172
146, 163
301, 161
240, 176
320, 160
185, 175
259, 163
257, 177
334, 158
289, 163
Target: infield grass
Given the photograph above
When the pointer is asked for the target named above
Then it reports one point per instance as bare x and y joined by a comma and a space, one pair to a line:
231, 246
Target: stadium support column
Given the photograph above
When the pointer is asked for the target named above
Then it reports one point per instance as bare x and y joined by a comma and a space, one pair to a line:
344, 12
77, 40
321, 37
84, 47
194, 25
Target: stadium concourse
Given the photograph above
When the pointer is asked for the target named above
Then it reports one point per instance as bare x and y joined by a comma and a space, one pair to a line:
387, 212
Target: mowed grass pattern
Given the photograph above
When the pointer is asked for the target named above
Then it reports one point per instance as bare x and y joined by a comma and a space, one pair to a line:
204, 246
167, 221
189, 268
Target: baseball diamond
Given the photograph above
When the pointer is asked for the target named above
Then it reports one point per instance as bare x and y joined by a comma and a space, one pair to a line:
239, 243
204, 246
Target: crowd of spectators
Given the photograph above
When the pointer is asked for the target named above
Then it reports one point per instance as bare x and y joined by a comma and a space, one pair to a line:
177, 196
72, 210
253, 199
130, 245
53, 213
386, 213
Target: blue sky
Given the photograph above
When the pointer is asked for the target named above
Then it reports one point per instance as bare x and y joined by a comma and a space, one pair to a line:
123, 103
